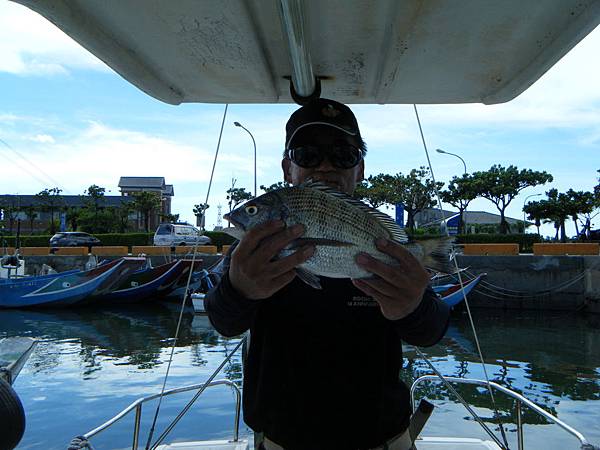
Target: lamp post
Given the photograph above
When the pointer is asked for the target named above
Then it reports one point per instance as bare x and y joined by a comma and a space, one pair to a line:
237, 124
439, 150
525, 201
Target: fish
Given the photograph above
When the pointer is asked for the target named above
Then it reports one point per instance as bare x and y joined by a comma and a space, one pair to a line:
339, 226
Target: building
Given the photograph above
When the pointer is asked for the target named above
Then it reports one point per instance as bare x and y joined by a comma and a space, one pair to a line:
14, 208
157, 185
432, 217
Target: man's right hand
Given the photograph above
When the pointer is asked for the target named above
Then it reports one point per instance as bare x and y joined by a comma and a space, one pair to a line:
254, 272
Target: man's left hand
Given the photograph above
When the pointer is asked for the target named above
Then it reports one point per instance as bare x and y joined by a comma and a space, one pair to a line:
398, 289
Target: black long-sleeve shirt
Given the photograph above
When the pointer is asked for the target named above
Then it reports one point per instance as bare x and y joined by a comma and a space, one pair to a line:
322, 370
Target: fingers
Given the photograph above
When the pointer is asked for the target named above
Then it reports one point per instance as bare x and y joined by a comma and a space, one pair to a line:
377, 286
368, 288
272, 245
283, 265
408, 269
253, 237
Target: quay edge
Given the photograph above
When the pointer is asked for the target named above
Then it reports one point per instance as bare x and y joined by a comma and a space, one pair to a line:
563, 283
568, 283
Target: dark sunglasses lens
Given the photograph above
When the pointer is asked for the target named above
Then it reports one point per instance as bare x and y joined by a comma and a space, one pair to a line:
306, 156
345, 157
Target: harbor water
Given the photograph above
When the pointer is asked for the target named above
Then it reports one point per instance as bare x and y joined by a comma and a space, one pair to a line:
89, 364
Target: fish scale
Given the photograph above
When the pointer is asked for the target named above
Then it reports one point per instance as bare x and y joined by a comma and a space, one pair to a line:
339, 226
327, 217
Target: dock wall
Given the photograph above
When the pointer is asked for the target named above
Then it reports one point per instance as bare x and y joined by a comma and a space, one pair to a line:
33, 264
536, 282
512, 282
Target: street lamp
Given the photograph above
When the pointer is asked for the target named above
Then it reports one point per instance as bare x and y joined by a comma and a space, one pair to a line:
525, 201
439, 150
237, 124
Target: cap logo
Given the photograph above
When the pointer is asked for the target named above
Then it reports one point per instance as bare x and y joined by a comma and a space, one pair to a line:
330, 111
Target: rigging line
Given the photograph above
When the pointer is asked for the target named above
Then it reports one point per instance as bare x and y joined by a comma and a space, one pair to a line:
27, 171
513, 293
437, 193
459, 397
48, 177
197, 394
186, 292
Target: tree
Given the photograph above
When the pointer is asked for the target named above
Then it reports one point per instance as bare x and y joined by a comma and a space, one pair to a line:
10, 208
275, 186
145, 203
95, 198
374, 190
73, 216
501, 185
235, 196
199, 211
121, 215
169, 217
50, 201
31, 213
535, 211
461, 191
415, 191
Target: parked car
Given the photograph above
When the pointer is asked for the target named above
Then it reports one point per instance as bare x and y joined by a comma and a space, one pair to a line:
174, 234
74, 239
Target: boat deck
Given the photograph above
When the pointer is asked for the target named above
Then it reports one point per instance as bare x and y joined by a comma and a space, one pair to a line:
425, 443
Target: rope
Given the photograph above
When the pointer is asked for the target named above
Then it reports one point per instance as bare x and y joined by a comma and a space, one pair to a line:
80, 443
437, 193
185, 295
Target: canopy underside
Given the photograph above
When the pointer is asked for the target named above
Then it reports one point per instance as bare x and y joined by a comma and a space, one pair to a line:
364, 51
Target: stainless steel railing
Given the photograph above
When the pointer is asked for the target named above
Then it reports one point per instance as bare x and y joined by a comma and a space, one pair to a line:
137, 406
585, 445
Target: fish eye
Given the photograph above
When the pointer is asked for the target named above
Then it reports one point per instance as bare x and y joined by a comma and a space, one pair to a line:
251, 210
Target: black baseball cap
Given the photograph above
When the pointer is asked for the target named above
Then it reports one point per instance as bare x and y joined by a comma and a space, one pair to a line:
324, 112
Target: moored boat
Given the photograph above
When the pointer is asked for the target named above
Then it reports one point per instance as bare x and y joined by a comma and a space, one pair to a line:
146, 283
64, 289
452, 294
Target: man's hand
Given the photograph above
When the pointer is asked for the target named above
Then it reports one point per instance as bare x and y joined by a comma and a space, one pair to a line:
398, 289
254, 272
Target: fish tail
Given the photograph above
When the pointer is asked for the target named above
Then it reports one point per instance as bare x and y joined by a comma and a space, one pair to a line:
437, 254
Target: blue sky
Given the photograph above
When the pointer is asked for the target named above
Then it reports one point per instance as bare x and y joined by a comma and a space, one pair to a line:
70, 122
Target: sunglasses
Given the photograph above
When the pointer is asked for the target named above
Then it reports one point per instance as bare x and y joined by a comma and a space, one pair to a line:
344, 156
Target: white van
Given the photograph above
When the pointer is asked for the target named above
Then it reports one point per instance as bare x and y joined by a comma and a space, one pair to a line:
174, 234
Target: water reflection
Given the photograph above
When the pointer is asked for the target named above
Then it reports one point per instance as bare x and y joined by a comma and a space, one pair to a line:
550, 359
134, 335
112, 357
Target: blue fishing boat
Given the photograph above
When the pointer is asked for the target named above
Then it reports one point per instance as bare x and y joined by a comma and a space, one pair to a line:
452, 294
63, 289
146, 283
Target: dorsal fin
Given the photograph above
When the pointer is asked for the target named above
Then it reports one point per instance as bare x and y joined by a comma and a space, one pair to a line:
397, 233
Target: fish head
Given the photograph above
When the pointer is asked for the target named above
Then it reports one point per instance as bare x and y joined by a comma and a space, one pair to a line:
269, 206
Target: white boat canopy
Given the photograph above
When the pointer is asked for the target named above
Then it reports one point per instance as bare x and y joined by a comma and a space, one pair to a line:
362, 51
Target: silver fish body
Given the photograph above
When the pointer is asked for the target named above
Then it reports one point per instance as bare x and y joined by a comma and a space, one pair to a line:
338, 225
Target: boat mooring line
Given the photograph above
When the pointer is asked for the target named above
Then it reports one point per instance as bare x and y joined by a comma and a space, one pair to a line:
185, 295
462, 288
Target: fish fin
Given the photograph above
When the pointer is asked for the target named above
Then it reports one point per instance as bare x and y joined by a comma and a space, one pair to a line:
437, 254
235, 232
319, 241
397, 233
309, 278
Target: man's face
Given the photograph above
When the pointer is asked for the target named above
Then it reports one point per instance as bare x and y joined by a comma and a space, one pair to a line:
324, 137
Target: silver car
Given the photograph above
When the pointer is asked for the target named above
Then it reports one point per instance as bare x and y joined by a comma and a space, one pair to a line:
173, 234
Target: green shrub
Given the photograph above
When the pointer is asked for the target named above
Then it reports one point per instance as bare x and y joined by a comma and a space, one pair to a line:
219, 238
525, 241
128, 239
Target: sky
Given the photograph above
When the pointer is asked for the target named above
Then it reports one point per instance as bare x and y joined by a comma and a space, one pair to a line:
68, 121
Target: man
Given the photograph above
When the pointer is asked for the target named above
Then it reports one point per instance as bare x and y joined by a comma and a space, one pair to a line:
322, 370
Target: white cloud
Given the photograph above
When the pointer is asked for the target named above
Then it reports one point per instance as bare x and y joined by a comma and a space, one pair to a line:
31, 45
42, 139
